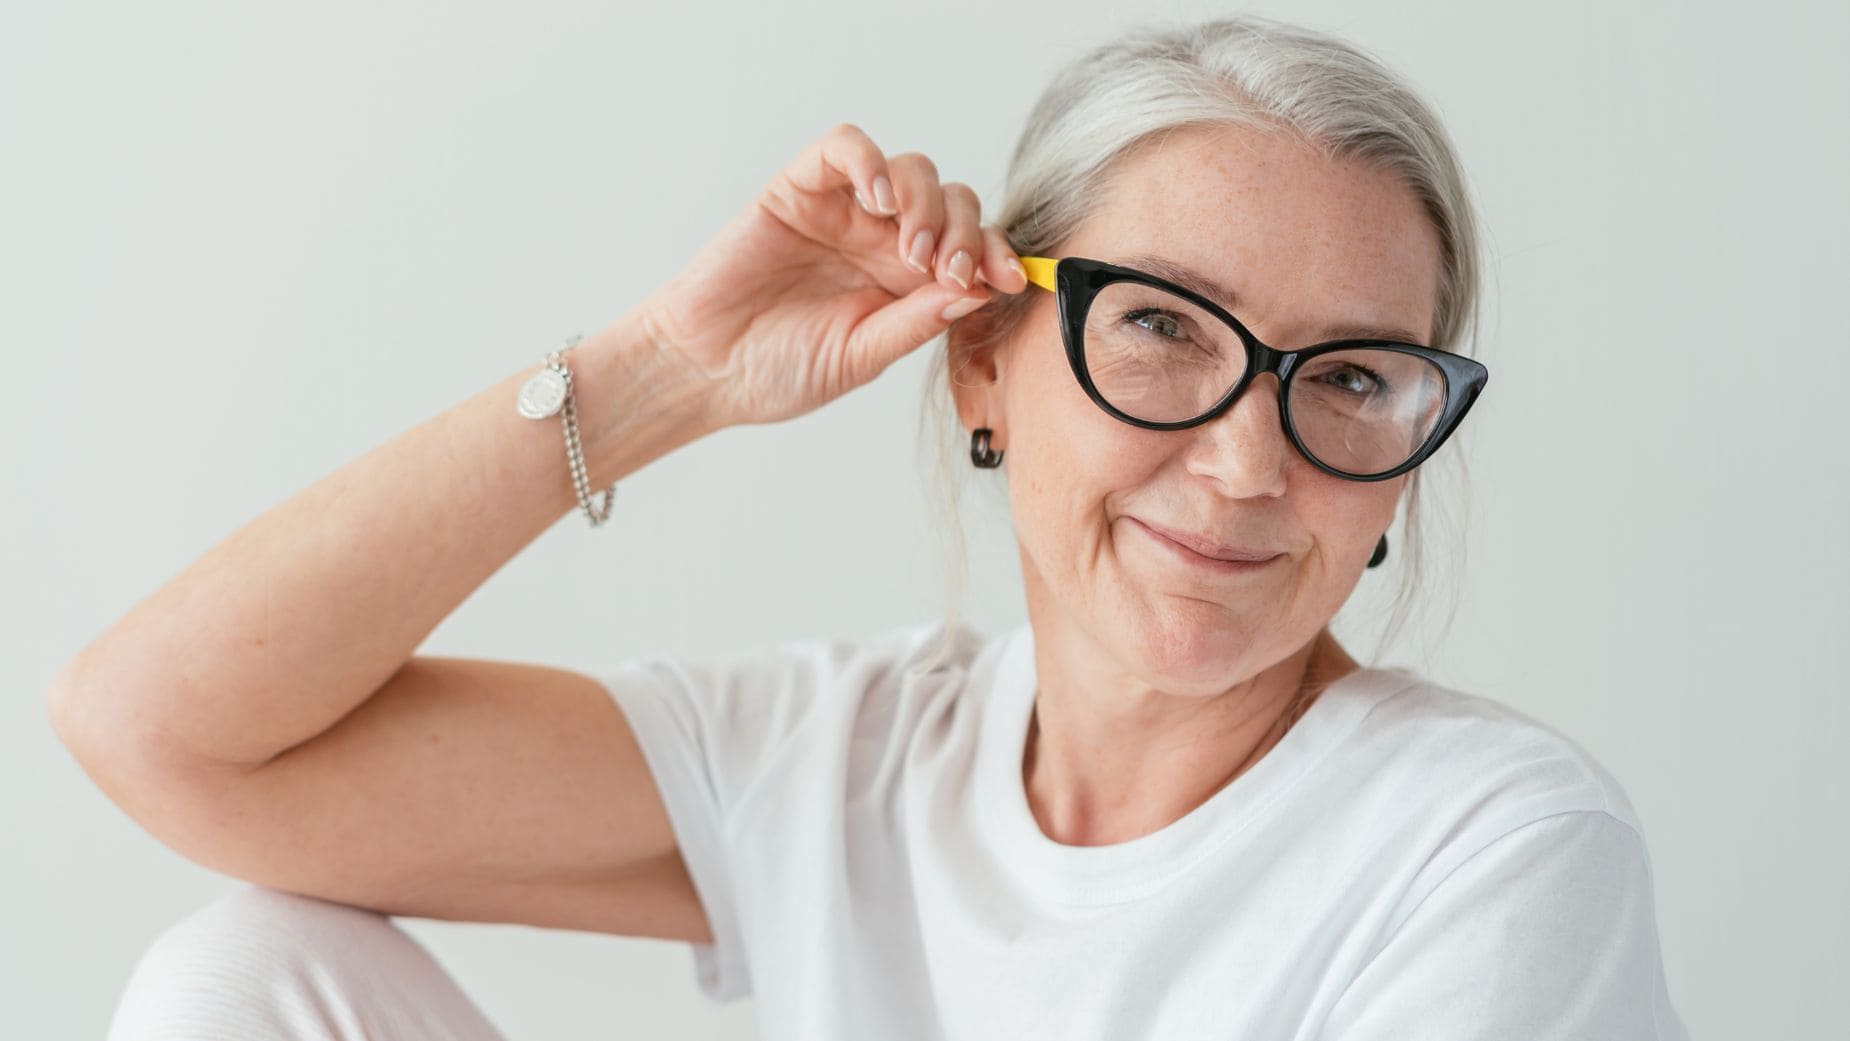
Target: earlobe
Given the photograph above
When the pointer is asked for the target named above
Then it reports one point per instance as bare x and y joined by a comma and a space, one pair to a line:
972, 377
978, 406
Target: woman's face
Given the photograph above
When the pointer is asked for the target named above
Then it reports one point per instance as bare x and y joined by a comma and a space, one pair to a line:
1306, 246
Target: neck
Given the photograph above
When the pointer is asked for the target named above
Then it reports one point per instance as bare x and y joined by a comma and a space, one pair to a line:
1118, 769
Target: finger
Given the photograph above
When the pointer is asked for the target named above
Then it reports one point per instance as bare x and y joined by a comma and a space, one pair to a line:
900, 327
1001, 266
921, 209
845, 159
961, 242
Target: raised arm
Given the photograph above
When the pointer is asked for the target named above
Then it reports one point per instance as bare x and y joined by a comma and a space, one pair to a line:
263, 712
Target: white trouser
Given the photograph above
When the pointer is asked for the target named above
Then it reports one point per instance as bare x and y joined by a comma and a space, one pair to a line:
264, 965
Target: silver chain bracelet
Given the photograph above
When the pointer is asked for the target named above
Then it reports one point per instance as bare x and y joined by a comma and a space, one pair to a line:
550, 390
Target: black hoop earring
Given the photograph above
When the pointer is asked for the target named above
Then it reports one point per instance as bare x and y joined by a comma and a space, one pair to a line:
980, 453
1380, 552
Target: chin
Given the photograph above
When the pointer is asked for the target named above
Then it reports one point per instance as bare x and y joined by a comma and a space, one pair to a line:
1201, 646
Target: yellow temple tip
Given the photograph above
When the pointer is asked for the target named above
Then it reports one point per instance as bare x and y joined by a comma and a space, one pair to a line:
1039, 270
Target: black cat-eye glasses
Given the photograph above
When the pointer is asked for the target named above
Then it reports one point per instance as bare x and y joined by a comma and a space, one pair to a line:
1163, 356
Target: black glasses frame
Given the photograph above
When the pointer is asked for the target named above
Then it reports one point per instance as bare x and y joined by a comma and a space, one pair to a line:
1077, 281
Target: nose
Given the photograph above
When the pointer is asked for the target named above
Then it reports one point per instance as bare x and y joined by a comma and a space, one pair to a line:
1244, 449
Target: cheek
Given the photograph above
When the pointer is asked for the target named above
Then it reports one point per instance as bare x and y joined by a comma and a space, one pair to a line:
1349, 520
1067, 439
1070, 468
1076, 472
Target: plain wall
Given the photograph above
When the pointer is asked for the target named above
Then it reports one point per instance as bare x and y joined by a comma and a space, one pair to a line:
242, 244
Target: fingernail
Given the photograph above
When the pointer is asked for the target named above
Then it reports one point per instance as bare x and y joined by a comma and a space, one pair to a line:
862, 199
958, 308
921, 252
883, 196
1015, 266
959, 268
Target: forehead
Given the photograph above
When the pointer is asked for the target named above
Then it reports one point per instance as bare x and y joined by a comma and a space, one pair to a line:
1304, 243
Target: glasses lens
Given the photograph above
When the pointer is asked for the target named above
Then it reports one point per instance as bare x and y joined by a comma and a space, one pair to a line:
1365, 410
1157, 357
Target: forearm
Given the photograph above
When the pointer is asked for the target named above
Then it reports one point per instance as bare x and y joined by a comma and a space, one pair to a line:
295, 619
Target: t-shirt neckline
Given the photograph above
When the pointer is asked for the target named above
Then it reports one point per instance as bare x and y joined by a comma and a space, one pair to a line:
1137, 867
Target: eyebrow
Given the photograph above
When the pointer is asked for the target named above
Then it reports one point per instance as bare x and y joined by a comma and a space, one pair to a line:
1190, 279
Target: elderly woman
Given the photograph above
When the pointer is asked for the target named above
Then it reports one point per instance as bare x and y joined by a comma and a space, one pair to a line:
1211, 335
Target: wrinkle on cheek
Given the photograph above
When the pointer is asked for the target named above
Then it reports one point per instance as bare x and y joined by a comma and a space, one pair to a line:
1315, 564
1087, 556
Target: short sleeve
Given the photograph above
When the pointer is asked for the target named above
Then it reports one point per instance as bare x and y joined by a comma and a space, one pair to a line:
1549, 931
712, 733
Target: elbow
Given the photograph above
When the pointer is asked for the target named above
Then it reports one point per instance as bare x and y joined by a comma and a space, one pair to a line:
115, 756
77, 719
61, 707
77, 707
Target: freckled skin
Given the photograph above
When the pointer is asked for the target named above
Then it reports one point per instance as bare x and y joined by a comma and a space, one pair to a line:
1157, 683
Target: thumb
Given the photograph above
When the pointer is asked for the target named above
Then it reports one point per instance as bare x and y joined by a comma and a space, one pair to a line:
900, 327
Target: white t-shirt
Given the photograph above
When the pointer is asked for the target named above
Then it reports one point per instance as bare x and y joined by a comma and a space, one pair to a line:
1408, 862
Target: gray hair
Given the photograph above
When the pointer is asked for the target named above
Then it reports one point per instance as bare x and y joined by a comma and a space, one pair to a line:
1249, 72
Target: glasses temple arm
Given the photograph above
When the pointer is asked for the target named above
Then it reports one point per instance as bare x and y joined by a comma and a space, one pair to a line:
1039, 270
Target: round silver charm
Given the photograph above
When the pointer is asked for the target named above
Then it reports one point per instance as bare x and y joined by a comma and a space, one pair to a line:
543, 394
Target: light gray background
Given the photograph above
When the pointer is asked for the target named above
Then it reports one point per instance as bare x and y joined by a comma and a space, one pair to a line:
243, 244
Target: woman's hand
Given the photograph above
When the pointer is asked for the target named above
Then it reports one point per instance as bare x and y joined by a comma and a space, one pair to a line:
807, 293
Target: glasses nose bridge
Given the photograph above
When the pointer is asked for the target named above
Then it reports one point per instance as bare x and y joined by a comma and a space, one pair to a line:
1261, 359
1252, 447
1264, 361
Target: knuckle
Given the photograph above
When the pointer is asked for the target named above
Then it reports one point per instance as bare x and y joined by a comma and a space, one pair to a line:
962, 199
852, 140
917, 162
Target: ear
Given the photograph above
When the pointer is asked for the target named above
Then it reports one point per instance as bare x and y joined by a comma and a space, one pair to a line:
971, 349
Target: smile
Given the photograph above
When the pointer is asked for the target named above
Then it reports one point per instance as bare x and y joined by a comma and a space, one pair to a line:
1206, 564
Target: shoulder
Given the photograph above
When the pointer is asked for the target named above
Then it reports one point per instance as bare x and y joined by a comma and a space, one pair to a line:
882, 659
1496, 767
874, 660
741, 718
1439, 786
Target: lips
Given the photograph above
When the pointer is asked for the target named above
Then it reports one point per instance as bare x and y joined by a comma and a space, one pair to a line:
1210, 547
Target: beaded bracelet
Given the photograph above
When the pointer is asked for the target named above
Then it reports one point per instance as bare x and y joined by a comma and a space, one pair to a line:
550, 390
